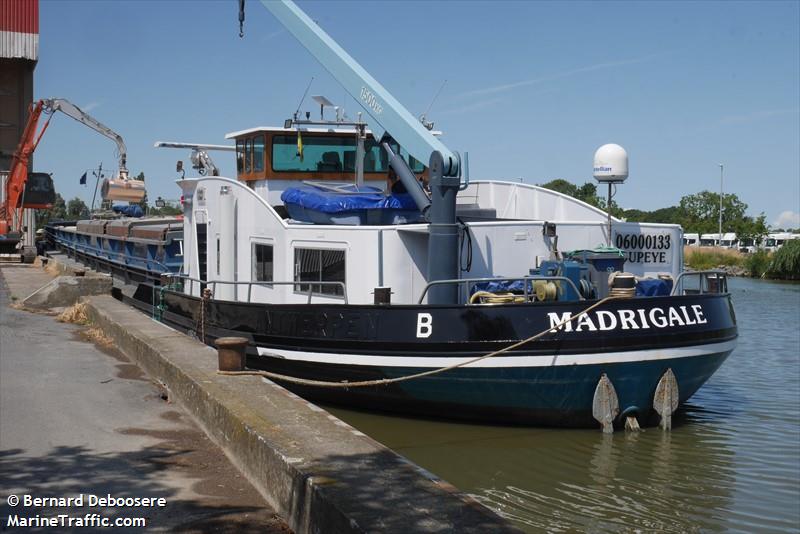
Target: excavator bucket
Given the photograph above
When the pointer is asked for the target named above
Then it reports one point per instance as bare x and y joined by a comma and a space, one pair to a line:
39, 191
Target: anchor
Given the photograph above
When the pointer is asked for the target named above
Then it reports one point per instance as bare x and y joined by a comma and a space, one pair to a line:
665, 400
631, 423
605, 405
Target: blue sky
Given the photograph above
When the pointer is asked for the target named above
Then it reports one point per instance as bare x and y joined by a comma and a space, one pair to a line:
533, 88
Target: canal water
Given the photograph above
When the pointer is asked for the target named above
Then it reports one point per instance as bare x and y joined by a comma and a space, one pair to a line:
731, 462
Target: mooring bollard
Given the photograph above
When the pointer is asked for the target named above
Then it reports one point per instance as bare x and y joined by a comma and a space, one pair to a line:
231, 353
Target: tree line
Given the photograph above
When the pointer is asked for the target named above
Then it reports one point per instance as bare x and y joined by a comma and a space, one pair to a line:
697, 213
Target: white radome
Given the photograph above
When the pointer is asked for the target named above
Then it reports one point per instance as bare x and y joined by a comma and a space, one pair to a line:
610, 164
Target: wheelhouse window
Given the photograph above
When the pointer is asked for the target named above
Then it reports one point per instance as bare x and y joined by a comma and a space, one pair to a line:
317, 153
248, 153
258, 153
240, 156
313, 153
319, 265
262, 263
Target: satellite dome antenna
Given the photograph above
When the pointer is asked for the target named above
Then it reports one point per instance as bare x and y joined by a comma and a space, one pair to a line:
610, 167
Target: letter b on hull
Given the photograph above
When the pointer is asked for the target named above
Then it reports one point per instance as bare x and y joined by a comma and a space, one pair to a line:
424, 324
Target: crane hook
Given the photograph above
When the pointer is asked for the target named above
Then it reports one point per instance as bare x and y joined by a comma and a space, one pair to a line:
241, 18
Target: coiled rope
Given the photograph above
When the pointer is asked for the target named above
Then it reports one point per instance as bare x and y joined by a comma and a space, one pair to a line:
387, 381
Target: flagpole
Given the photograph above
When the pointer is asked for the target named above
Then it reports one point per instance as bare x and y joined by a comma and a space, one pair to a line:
99, 173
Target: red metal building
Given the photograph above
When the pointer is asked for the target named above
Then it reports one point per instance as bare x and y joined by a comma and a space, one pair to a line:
19, 51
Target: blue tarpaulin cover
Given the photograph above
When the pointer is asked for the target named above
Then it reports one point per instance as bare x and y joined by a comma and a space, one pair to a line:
653, 287
364, 198
502, 286
131, 210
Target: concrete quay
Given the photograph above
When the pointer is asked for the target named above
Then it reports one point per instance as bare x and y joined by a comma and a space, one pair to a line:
78, 417
315, 471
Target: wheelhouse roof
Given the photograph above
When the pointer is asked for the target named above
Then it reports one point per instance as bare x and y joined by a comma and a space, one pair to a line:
312, 129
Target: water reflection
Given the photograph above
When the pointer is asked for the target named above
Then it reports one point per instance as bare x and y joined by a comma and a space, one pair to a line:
731, 462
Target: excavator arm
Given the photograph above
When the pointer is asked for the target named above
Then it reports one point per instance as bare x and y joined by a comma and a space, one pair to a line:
11, 208
71, 110
13, 202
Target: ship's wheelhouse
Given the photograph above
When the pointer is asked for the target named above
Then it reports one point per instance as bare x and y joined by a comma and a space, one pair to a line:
270, 160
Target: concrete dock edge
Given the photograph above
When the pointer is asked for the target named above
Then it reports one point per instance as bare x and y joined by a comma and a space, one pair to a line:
316, 471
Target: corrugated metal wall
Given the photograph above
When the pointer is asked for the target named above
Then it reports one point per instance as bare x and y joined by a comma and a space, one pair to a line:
19, 50
19, 29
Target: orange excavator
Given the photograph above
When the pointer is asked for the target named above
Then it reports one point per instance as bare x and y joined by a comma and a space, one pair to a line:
35, 190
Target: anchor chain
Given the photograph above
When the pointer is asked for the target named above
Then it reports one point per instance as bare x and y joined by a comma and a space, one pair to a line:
200, 325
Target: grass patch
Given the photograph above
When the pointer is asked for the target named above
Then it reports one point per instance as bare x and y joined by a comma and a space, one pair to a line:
78, 314
757, 263
704, 258
785, 264
75, 314
97, 336
52, 268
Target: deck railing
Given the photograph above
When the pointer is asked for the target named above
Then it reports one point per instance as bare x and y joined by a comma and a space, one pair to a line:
213, 284
711, 281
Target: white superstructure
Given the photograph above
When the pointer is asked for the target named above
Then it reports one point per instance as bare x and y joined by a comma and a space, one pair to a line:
248, 240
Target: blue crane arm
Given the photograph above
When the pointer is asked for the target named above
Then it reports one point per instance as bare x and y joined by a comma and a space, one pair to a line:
384, 109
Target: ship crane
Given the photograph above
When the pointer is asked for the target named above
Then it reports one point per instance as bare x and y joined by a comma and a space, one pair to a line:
389, 116
201, 161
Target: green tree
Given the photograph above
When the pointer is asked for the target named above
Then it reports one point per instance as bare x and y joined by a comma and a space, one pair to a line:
586, 193
560, 185
785, 262
701, 215
670, 215
142, 203
169, 209
77, 209
58, 212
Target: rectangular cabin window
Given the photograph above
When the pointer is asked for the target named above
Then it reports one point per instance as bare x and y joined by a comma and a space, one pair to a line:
248, 154
258, 153
313, 265
262, 263
319, 153
332, 154
239, 156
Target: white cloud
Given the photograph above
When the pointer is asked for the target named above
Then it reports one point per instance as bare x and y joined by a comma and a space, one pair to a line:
787, 219
564, 74
756, 115
480, 104
272, 35
90, 106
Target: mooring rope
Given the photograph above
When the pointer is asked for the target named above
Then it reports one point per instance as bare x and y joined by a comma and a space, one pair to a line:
386, 381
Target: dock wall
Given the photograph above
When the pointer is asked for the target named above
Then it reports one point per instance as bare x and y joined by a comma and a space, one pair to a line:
316, 471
